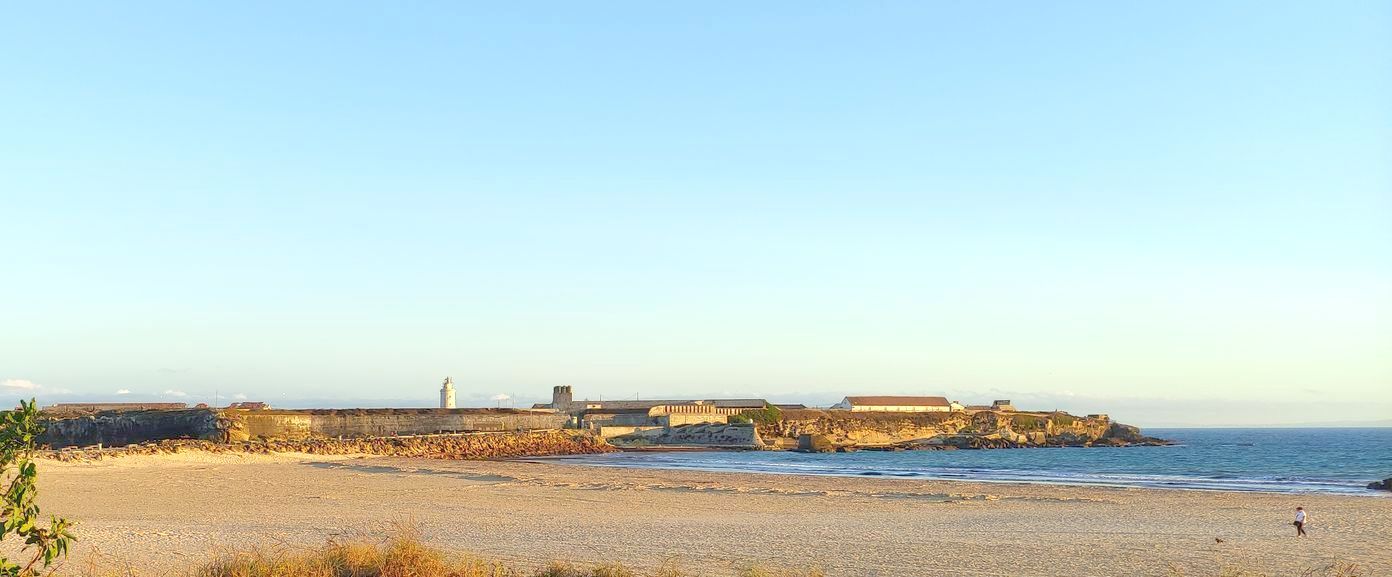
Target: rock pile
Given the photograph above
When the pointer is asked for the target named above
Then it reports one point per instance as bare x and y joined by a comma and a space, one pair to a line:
450, 446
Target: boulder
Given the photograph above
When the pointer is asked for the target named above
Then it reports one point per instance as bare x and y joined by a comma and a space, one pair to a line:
815, 444
1383, 485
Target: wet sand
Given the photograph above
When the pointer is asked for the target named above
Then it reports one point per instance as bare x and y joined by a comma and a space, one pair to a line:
163, 514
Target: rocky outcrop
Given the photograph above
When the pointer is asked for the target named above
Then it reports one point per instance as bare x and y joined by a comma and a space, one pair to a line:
463, 446
709, 435
117, 428
1123, 435
1383, 485
845, 428
817, 430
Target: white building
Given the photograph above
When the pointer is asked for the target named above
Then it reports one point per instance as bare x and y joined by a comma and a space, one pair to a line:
447, 394
895, 404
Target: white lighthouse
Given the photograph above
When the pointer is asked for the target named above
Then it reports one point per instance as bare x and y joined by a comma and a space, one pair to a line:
447, 394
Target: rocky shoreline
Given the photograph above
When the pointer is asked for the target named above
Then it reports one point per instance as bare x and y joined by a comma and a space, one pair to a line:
827, 431
967, 442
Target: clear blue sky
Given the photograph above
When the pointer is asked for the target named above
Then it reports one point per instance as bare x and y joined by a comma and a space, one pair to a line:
1175, 212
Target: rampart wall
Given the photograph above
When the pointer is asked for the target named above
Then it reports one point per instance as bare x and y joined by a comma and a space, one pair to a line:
117, 428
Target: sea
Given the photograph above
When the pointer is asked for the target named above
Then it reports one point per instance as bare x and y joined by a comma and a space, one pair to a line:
1340, 461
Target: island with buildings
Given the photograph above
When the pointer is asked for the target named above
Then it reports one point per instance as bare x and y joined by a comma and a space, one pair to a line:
854, 423
236, 474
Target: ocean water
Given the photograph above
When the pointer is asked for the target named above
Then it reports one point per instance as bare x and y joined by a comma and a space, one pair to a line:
1279, 460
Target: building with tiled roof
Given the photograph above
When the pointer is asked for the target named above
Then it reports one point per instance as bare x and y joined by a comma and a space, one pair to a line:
894, 404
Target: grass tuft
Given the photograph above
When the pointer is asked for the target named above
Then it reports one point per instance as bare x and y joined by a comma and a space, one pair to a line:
402, 555
405, 554
1331, 569
759, 571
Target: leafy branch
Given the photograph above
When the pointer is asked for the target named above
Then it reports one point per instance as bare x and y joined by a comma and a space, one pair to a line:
19, 515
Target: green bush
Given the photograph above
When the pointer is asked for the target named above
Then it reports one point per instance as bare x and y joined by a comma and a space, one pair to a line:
1063, 419
1027, 422
765, 416
19, 516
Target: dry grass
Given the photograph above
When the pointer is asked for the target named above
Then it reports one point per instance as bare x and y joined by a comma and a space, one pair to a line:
756, 571
1332, 569
403, 554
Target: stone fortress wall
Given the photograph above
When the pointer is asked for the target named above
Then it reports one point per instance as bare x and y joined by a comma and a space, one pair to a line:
280, 424
118, 428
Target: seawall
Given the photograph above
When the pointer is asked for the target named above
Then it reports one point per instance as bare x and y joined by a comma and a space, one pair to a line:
117, 428
284, 424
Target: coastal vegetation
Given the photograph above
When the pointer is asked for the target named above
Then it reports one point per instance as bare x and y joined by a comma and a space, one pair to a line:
765, 416
1042, 422
404, 554
43, 543
1331, 569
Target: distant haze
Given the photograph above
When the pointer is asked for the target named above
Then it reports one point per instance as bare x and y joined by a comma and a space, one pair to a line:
1178, 215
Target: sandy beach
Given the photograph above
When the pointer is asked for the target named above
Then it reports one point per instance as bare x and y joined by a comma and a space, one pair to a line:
162, 514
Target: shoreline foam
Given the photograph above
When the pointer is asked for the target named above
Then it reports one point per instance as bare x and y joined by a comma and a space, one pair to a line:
1009, 476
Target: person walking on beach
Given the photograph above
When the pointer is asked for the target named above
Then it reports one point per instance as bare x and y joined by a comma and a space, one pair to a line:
1300, 522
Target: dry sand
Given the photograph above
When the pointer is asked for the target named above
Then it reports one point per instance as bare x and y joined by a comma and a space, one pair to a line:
163, 514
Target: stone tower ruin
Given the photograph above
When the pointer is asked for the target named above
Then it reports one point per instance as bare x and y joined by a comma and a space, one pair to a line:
561, 398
